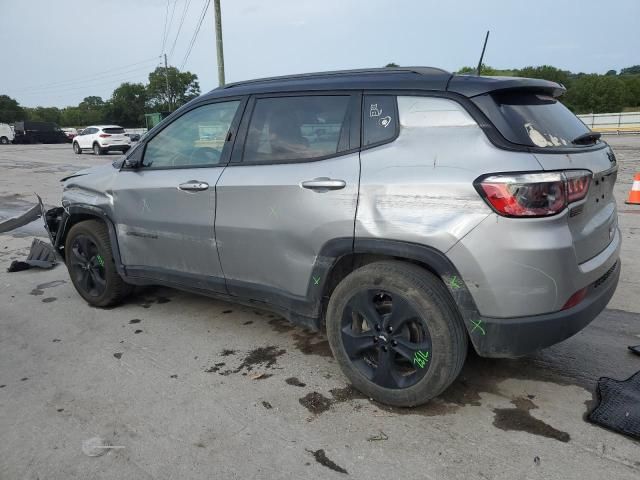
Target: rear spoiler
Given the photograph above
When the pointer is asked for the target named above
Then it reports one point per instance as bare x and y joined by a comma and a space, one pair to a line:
473, 85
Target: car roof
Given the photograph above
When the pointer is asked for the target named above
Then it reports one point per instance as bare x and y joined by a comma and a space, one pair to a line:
103, 126
400, 78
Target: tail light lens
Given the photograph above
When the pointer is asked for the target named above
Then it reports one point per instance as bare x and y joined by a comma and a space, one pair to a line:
104, 135
534, 194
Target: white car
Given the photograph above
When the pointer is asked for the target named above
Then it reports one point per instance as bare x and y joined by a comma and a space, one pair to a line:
6, 134
102, 139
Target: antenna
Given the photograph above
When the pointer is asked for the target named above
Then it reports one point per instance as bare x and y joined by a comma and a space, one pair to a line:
482, 54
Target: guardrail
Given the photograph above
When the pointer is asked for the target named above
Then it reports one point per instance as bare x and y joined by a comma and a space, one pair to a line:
613, 123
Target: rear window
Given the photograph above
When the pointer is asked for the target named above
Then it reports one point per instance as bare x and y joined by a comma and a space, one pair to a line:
113, 130
533, 119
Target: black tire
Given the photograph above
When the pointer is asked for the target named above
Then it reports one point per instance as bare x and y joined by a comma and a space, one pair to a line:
91, 265
97, 150
4, 140
425, 352
76, 148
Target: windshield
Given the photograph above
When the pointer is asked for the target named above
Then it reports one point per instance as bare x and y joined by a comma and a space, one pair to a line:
534, 119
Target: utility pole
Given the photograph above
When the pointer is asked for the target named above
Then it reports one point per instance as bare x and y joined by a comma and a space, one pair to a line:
218, 19
166, 77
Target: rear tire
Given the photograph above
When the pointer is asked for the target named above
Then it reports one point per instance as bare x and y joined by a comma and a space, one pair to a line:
4, 140
91, 266
76, 148
411, 329
97, 150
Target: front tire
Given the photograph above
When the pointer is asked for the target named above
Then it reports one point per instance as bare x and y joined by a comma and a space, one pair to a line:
76, 148
396, 333
97, 150
4, 140
91, 265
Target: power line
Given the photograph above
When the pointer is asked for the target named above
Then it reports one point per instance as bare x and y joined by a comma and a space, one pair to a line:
195, 34
184, 14
88, 77
173, 11
87, 81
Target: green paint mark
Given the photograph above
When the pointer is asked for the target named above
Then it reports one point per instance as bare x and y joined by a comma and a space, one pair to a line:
454, 283
316, 281
477, 325
420, 358
100, 260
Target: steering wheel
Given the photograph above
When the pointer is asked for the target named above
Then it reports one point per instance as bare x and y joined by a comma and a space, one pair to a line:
204, 156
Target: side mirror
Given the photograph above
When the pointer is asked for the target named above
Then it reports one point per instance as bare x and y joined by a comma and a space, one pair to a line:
133, 161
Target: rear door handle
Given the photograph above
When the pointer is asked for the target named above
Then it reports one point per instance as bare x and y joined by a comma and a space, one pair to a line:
193, 186
323, 184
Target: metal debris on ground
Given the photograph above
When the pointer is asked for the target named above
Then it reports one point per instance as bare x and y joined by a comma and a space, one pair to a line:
20, 220
96, 446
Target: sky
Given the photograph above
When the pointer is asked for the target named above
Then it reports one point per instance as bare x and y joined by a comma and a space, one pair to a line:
56, 53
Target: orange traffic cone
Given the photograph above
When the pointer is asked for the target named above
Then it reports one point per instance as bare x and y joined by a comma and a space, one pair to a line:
634, 194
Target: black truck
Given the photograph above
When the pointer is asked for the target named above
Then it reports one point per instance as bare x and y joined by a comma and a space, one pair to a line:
39, 132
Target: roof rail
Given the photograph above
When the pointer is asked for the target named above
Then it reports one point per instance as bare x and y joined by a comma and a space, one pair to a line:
362, 71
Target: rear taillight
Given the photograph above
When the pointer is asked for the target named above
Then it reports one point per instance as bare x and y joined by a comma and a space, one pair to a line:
576, 298
534, 194
104, 135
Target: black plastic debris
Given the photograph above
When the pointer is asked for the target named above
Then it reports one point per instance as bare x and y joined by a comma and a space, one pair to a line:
635, 349
41, 255
618, 407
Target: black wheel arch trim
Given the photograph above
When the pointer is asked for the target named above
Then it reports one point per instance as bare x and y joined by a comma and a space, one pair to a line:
65, 223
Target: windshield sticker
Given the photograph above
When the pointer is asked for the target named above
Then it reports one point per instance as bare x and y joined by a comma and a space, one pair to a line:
385, 121
374, 111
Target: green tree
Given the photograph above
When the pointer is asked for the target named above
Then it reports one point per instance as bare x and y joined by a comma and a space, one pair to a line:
486, 70
596, 94
91, 110
611, 73
183, 86
391, 65
127, 105
635, 70
44, 114
546, 72
632, 91
10, 110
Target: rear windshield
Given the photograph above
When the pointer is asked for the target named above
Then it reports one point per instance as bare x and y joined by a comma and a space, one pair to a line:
113, 130
533, 119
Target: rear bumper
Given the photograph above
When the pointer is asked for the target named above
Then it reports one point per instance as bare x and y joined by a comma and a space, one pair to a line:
116, 148
513, 337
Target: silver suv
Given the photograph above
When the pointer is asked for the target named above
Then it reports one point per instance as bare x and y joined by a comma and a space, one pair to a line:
407, 211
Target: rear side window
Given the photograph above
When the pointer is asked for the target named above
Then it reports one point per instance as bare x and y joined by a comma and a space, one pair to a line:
113, 130
380, 119
297, 128
533, 119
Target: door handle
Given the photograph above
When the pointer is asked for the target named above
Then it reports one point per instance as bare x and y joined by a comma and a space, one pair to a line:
323, 184
193, 186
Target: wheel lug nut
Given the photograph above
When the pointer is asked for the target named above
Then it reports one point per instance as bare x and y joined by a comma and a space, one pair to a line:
375, 339
384, 349
394, 343
378, 327
390, 329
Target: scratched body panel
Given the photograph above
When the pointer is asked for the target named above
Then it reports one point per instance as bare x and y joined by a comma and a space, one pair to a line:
270, 229
419, 188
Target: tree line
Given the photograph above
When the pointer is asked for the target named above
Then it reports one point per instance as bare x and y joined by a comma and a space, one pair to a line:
586, 92
165, 91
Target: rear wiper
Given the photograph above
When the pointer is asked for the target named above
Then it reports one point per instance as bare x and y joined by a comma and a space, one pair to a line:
586, 138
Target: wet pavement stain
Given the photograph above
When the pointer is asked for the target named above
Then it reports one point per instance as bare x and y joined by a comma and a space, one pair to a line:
322, 459
295, 382
39, 290
118, 355
49, 299
520, 419
267, 405
248, 322
227, 311
215, 368
315, 402
226, 352
346, 394
135, 320
309, 343
161, 300
138, 331
262, 356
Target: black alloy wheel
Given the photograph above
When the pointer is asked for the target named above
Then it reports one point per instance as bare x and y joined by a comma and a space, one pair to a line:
386, 339
87, 266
